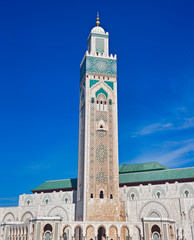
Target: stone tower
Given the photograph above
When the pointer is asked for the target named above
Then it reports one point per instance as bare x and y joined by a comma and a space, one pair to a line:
98, 183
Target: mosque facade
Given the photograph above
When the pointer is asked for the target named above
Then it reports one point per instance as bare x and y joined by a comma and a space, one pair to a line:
106, 201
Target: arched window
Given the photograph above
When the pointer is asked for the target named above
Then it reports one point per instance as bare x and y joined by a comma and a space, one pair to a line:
66, 235
48, 227
186, 193
158, 194
46, 201
28, 202
111, 196
101, 194
91, 196
92, 100
155, 228
132, 196
110, 102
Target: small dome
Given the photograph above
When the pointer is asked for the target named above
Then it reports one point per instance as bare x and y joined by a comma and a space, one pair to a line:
98, 30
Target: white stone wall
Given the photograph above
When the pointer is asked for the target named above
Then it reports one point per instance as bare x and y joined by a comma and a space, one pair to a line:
172, 208
41, 205
165, 201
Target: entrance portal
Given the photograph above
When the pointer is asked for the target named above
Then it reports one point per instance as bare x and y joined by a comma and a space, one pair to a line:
101, 234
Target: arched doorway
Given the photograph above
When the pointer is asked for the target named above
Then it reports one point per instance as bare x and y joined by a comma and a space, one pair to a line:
66, 233
155, 232
101, 233
78, 233
124, 233
90, 234
113, 233
48, 232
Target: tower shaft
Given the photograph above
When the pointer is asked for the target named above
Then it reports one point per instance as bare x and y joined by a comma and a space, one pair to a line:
98, 183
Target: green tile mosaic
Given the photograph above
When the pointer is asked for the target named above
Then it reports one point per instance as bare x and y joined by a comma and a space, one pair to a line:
101, 153
101, 177
110, 84
93, 82
101, 90
101, 116
99, 66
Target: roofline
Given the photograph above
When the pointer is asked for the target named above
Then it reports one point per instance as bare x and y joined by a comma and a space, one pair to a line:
54, 189
156, 182
128, 184
61, 180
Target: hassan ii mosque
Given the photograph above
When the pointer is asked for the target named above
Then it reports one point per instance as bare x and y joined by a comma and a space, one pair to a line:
106, 201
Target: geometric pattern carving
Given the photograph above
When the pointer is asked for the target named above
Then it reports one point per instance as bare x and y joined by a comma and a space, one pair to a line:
110, 84
58, 212
158, 191
101, 153
99, 66
187, 187
101, 90
132, 191
26, 216
66, 198
47, 197
191, 216
9, 217
110, 146
101, 177
154, 207
28, 199
93, 82
154, 215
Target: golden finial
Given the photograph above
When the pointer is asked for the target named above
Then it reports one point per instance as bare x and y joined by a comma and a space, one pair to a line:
97, 20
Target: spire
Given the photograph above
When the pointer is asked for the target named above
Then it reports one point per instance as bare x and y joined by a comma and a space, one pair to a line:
97, 20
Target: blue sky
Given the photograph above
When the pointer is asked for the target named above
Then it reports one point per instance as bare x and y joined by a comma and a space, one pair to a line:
41, 46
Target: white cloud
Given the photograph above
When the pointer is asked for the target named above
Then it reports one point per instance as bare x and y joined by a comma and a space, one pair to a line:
171, 158
155, 127
186, 123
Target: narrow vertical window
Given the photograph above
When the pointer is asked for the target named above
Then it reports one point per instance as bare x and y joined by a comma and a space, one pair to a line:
101, 194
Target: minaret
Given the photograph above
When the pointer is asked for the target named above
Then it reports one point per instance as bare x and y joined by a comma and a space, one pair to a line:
98, 180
